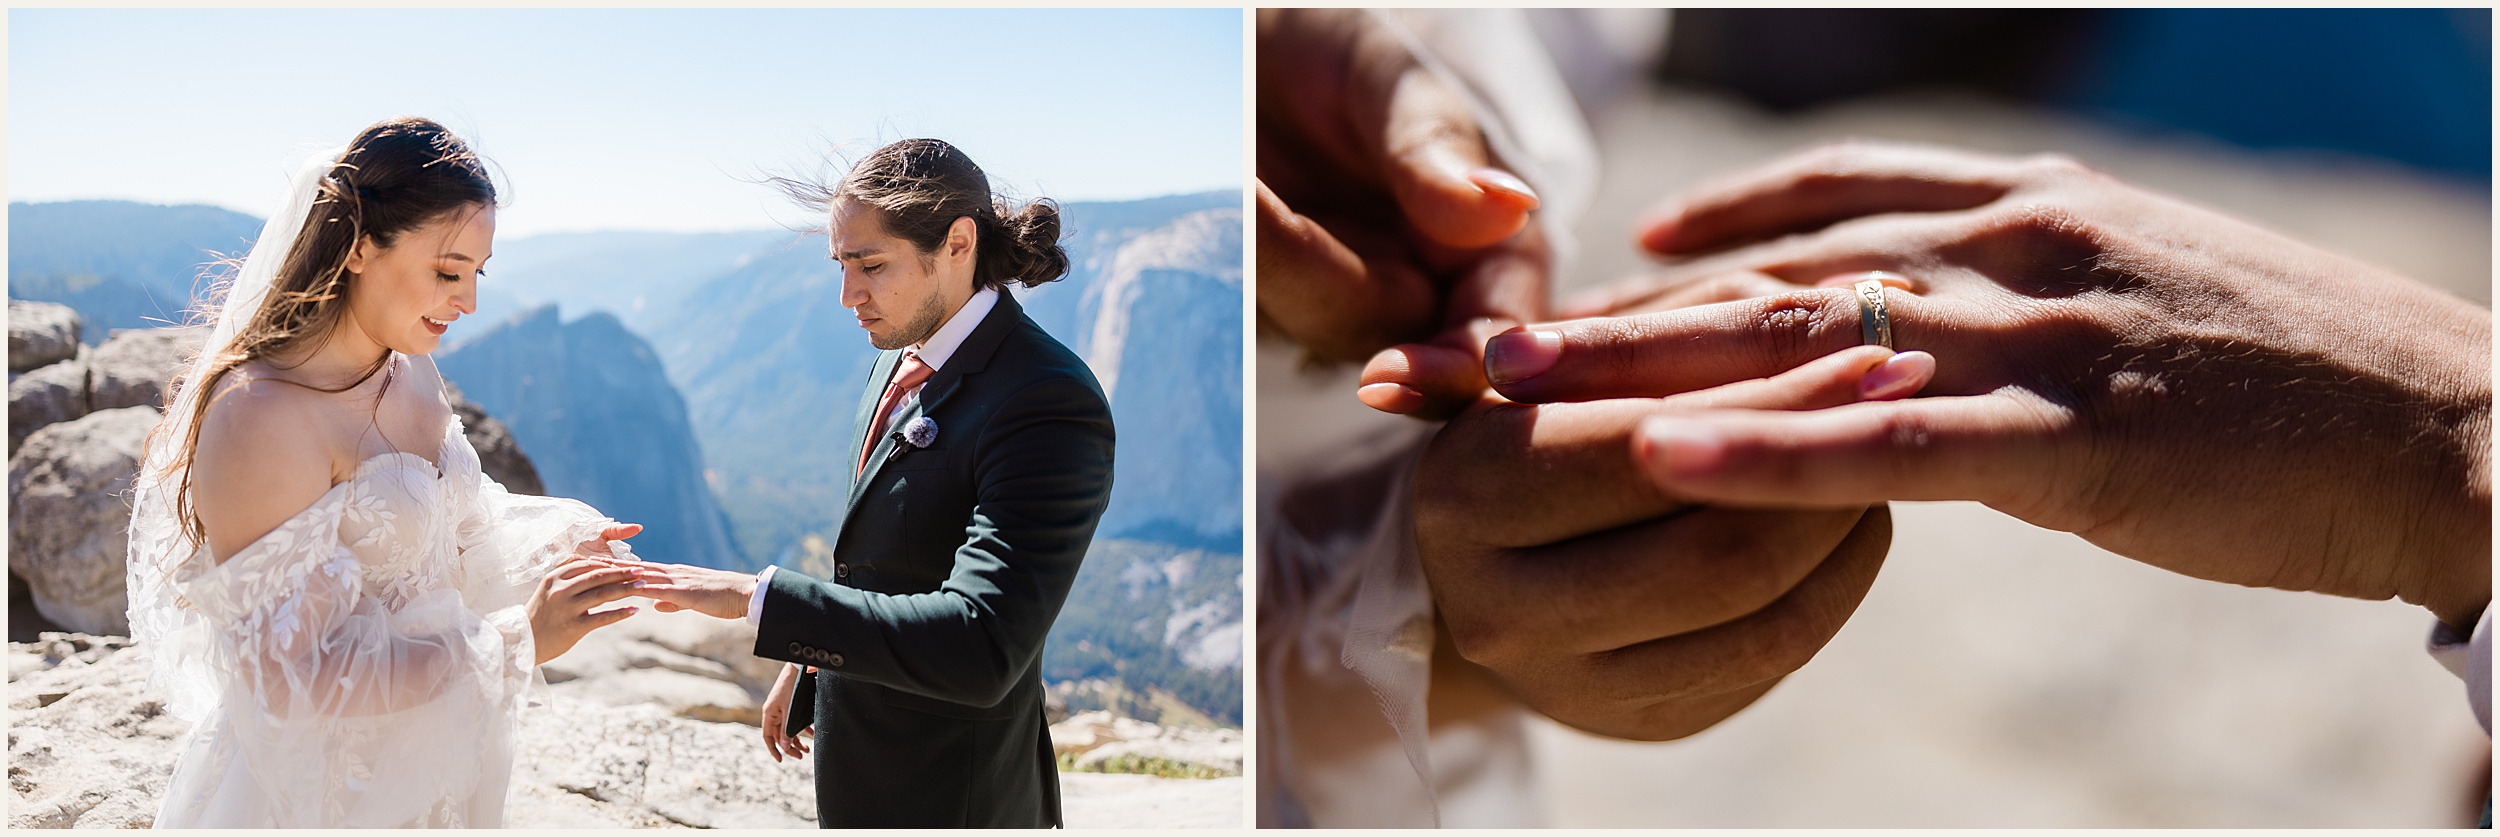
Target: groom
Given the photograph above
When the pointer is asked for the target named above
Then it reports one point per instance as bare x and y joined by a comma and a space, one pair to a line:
981, 465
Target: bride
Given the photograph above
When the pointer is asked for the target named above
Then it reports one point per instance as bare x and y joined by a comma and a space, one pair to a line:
346, 609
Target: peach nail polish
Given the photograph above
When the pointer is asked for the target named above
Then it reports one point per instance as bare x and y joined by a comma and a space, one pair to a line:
1899, 376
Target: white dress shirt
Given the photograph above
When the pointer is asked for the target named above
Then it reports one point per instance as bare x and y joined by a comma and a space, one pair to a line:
934, 351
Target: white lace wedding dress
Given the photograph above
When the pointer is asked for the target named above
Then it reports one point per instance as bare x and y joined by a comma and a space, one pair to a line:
362, 664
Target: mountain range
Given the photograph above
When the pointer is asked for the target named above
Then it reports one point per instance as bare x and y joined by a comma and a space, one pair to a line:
121, 264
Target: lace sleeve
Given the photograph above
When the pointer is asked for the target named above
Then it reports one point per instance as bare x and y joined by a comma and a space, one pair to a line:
507, 541
316, 675
288, 621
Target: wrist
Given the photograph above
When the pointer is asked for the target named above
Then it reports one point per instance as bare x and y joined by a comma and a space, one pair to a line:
2455, 579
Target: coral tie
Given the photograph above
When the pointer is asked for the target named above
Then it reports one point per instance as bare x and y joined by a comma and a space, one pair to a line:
910, 377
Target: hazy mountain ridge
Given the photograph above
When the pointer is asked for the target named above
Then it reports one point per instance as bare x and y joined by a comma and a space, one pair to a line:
641, 277
121, 264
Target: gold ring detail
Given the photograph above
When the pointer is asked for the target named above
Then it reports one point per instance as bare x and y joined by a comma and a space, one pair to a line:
1874, 317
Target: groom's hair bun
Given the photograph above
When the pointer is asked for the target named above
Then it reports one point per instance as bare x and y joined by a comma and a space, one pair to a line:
920, 186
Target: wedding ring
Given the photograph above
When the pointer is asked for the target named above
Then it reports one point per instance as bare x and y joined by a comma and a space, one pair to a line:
1874, 317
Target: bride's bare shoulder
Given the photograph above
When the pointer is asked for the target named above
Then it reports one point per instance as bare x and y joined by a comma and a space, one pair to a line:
265, 453
426, 379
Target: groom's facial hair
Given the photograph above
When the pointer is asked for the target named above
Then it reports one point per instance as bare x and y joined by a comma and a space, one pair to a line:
924, 322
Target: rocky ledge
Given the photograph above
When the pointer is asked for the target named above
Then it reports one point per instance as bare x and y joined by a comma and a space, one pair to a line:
643, 725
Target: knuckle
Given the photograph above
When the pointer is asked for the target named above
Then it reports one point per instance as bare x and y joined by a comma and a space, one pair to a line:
1796, 326
1486, 642
2045, 249
2054, 166
2039, 220
1832, 158
1907, 437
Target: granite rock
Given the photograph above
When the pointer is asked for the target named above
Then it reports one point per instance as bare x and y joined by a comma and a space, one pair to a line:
69, 516
49, 395
40, 334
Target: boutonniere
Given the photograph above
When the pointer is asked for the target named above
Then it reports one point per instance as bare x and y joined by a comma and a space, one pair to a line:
920, 432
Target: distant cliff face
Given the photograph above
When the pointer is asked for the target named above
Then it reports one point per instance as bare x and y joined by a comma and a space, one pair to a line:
120, 264
1165, 340
590, 402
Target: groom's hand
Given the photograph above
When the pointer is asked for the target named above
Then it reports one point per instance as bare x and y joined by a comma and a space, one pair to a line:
675, 587
776, 718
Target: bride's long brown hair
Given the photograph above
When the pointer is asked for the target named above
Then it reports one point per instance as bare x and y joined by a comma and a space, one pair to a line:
398, 174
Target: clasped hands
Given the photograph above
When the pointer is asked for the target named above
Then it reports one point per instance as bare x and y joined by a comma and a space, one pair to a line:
673, 587
1664, 510
595, 574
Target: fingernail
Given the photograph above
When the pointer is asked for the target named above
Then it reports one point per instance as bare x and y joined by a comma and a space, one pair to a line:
1899, 376
637, 583
1390, 398
1497, 180
1520, 354
1676, 449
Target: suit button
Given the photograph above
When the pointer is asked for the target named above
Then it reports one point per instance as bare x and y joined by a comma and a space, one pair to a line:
834, 660
794, 648
841, 571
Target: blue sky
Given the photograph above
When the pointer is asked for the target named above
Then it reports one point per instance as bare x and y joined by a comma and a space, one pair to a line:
623, 119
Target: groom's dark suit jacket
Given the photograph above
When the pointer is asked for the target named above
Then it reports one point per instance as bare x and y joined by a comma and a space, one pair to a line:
951, 563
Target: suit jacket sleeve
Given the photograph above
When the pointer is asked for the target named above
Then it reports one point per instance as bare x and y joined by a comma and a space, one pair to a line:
1042, 473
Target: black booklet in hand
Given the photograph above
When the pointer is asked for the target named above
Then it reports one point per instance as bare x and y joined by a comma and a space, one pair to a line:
802, 705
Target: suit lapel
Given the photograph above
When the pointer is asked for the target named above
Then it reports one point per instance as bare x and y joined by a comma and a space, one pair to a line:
969, 359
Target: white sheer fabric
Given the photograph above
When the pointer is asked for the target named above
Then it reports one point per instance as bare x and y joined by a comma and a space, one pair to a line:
1344, 610
360, 666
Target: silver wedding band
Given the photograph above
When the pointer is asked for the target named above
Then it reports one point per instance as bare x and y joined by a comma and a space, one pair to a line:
1874, 317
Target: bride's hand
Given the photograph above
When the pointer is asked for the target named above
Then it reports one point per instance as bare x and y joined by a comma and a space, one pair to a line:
559, 610
777, 715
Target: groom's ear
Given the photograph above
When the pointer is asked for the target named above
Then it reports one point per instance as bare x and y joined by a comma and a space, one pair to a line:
960, 238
